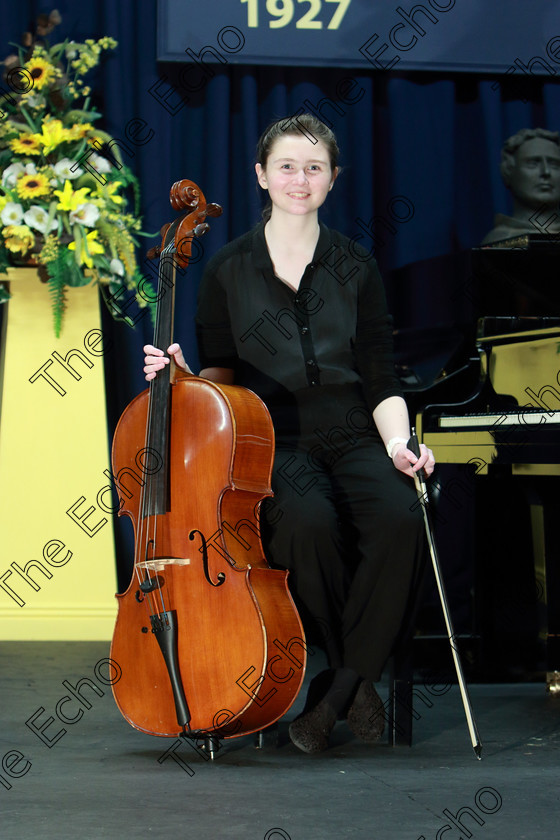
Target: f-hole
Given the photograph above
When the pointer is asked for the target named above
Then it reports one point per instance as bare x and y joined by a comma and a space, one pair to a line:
221, 575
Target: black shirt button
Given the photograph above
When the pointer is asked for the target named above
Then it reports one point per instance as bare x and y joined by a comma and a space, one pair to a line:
314, 382
310, 362
304, 330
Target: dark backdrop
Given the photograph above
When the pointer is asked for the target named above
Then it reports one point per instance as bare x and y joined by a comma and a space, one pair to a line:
433, 140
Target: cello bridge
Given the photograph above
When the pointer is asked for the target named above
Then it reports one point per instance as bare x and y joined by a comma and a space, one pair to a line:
159, 563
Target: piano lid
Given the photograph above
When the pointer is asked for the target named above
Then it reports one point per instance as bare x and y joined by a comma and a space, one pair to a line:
438, 304
516, 280
534, 241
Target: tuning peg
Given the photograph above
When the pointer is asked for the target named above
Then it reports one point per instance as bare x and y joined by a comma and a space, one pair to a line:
156, 250
201, 229
213, 210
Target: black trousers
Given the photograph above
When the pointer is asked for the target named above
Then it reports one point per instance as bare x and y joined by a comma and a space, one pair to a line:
349, 528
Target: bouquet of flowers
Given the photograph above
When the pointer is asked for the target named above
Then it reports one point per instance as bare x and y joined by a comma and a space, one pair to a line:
63, 185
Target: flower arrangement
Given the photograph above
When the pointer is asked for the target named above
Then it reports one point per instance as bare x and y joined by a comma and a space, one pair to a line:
63, 185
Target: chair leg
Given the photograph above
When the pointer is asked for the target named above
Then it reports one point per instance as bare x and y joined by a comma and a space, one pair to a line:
399, 713
399, 708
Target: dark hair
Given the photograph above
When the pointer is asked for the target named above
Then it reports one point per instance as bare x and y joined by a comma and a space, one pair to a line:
305, 124
513, 143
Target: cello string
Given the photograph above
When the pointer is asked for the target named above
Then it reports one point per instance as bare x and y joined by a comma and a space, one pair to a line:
147, 523
142, 541
147, 491
150, 511
169, 277
166, 372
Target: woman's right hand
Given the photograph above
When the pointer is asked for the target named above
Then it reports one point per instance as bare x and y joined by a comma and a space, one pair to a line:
156, 359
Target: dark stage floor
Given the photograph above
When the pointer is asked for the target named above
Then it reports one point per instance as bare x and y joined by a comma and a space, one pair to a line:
103, 779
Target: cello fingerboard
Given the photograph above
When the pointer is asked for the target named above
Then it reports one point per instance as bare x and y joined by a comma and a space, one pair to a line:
156, 499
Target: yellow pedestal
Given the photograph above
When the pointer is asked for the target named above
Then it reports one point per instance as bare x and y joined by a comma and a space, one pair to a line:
57, 558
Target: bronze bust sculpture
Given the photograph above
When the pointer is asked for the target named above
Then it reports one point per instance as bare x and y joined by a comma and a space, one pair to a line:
530, 168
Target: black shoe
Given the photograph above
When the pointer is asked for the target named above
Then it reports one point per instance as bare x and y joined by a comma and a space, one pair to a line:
366, 716
310, 732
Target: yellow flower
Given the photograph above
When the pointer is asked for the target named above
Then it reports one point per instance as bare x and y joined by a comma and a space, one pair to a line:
32, 186
96, 141
70, 199
77, 131
49, 251
41, 71
108, 191
18, 239
53, 135
89, 246
107, 43
26, 144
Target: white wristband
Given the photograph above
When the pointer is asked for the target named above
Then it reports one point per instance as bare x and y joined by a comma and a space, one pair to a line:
392, 443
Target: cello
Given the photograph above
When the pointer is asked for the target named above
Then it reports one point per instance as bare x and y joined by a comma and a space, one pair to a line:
207, 637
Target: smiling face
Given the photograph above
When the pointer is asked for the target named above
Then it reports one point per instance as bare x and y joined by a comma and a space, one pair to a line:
297, 175
535, 178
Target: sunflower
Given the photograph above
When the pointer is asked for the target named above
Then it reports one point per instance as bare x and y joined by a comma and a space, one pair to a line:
41, 72
79, 130
32, 186
26, 144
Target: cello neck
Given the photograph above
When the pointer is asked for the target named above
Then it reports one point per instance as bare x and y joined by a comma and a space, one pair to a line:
174, 251
156, 499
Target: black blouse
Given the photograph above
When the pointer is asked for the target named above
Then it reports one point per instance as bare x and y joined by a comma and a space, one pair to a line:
334, 331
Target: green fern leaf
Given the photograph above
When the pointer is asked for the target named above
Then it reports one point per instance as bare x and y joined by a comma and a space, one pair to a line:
57, 290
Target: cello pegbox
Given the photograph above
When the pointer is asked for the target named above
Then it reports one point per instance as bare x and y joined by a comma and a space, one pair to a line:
184, 194
187, 195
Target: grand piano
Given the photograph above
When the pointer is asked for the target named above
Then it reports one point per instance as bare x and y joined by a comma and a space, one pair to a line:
495, 408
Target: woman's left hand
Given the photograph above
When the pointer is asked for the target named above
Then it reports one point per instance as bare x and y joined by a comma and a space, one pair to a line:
407, 462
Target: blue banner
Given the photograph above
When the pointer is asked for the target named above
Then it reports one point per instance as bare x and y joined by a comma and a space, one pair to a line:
482, 36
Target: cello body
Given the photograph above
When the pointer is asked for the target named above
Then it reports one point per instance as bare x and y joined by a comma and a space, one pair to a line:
207, 636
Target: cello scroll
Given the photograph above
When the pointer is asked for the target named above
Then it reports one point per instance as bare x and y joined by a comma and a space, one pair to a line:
185, 194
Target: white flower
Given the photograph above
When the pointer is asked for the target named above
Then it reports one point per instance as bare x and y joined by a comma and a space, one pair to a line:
70, 51
34, 100
85, 214
100, 164
37, 217
11, 174
62, 170
117, 267
12, 213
